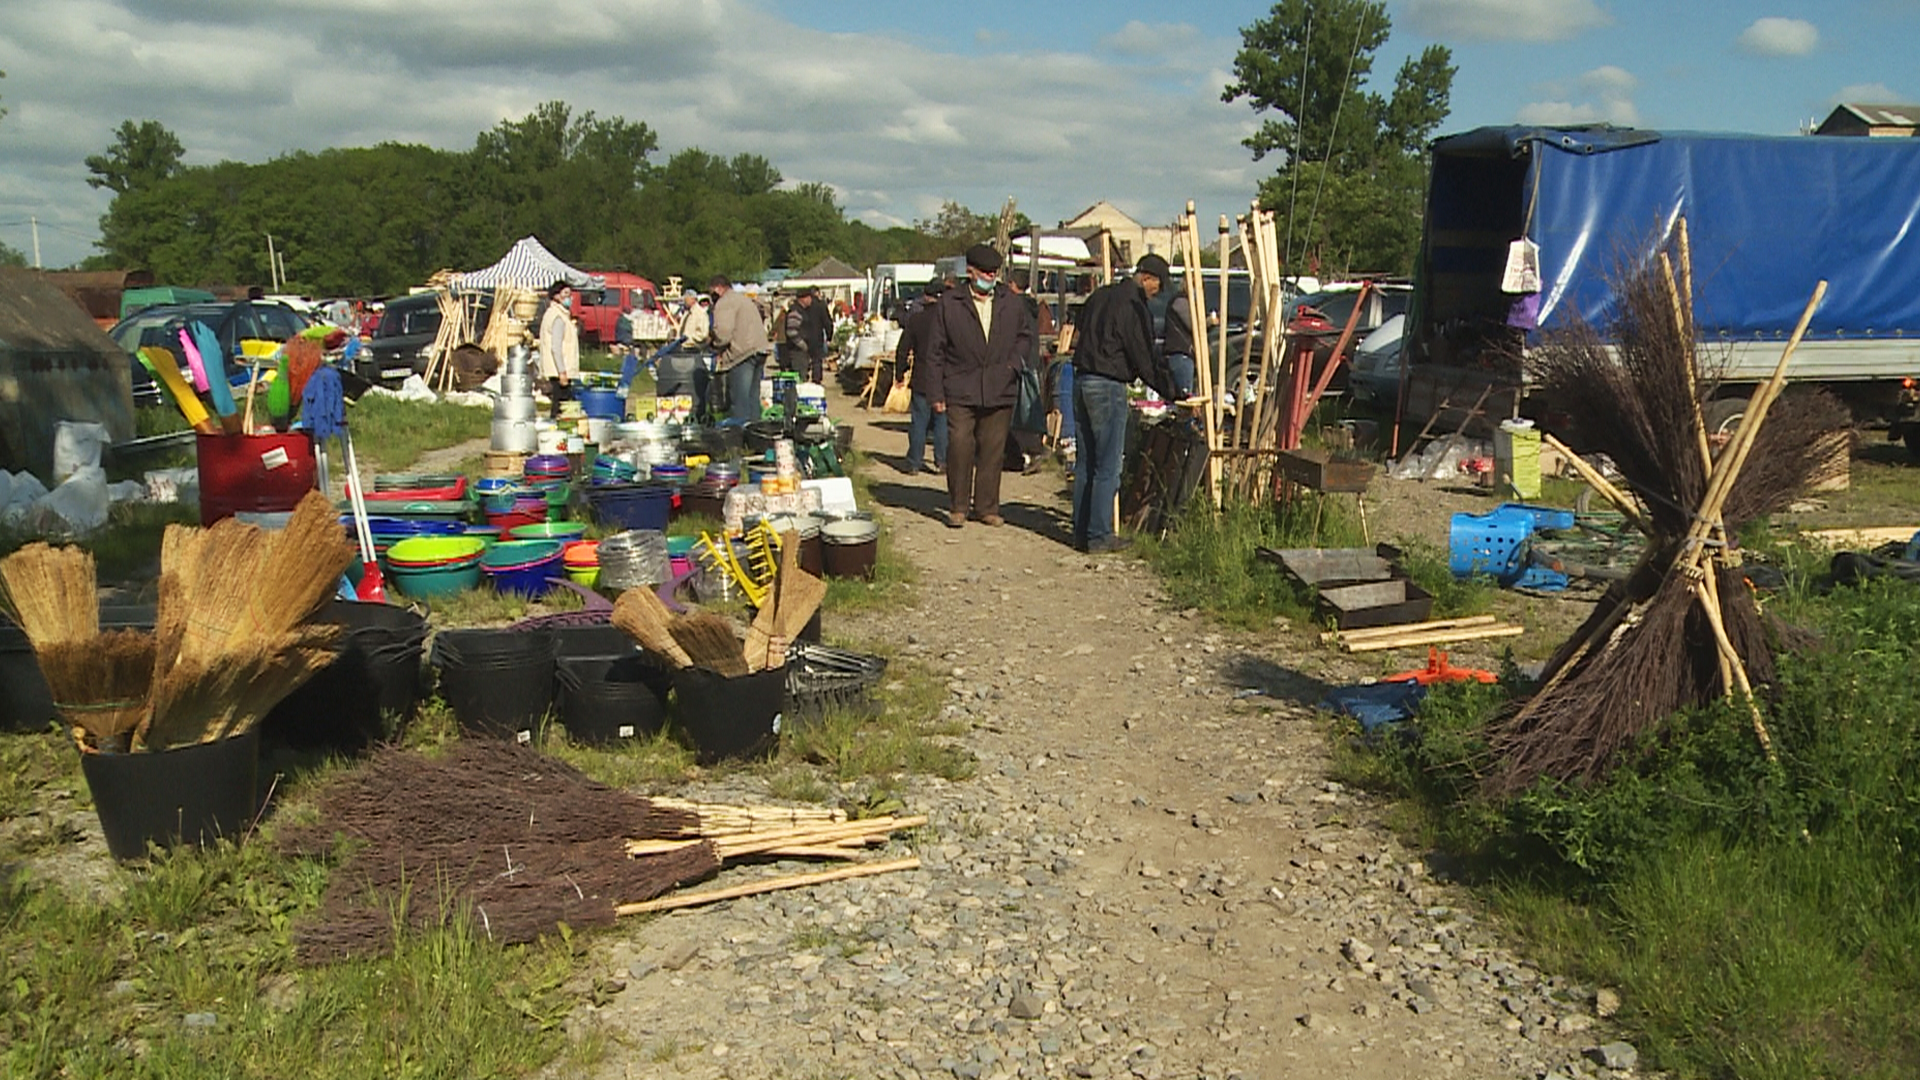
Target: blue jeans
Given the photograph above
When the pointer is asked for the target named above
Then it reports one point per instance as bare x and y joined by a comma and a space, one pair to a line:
1100, 417
743, 389
1063, 398
919, 420
1183, 374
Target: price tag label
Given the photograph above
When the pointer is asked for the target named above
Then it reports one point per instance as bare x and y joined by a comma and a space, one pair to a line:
275, 458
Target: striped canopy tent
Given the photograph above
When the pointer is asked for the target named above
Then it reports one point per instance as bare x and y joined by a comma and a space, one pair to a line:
527, 264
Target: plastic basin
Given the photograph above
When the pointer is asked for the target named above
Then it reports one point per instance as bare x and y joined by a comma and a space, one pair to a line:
551, 530
427, 552
526, 567
423, 583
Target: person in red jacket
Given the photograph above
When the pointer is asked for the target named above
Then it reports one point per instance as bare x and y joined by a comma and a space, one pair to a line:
979, 336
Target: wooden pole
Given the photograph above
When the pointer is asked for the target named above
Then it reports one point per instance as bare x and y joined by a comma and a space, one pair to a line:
1433, 637
796, 881
1600, 484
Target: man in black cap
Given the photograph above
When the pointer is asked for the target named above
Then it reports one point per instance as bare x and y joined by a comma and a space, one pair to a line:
1113, 348
976, 341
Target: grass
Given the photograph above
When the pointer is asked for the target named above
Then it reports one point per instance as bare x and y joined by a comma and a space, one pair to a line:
391, 434
484, 607
105, 985
1761, 919
1208, 560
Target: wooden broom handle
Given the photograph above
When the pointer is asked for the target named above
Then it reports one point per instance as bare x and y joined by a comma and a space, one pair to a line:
797, 881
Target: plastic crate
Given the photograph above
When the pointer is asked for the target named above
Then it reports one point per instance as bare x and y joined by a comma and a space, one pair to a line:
1493, 543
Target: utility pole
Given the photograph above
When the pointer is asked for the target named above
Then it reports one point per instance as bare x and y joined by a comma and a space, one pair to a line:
273, 264
35, 221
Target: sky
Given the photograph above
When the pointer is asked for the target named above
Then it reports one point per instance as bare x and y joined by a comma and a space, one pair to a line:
898, 106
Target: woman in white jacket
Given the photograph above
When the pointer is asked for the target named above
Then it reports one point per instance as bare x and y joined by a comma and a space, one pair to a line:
559, 346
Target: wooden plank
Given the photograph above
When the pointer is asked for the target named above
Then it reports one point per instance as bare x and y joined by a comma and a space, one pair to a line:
1870, 537
1332, 637
797, 881
1435, 637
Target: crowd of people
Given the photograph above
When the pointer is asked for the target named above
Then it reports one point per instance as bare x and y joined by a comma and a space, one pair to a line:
974, 354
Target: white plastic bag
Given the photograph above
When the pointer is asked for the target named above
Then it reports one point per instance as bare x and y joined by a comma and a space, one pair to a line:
77, 506
76, 445
1522, 274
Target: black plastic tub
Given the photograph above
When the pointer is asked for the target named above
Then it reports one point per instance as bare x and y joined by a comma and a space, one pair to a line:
370, 690
606, 699
190, 796
498, 682
26, 703
727, 719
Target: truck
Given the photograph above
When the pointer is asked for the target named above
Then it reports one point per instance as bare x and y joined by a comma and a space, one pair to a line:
599, 307
896, 284
1767, 217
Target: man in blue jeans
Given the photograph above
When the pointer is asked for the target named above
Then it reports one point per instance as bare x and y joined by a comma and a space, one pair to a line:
1114, 347
740, 348
910, 358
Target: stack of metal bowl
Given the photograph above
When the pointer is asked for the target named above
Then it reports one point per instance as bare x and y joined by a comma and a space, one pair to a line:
635, 559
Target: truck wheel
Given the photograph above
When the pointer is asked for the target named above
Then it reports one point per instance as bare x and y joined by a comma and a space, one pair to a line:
1723, 416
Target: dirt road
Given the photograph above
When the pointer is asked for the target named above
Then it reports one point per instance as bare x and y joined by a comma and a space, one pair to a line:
1150, 876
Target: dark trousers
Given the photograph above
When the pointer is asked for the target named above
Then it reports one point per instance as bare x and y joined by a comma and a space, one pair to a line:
557, 392
976, 449
921, 422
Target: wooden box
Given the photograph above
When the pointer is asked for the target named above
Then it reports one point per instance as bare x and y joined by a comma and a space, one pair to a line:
1316, 469
1378, 603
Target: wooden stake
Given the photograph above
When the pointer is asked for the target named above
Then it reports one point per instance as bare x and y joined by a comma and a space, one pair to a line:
1370, 632
1600, 484
797, 881
1433, 637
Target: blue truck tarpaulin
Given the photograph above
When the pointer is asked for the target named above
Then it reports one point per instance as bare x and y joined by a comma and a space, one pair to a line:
1767, 216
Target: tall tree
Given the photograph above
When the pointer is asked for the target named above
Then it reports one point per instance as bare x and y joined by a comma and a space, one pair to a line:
142, 155
1349, 192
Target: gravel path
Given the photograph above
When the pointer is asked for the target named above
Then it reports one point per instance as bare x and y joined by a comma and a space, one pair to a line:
1151, 875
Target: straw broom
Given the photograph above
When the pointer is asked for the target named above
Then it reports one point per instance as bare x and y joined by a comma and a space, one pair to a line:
710, 643
52, 593
100, 685
644, 617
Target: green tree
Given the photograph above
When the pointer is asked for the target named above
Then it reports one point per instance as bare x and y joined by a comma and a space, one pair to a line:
1350, 191
142, 155
11, 256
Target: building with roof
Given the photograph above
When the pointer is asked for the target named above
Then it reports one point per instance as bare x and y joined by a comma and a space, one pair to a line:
1130, 239
1871, 120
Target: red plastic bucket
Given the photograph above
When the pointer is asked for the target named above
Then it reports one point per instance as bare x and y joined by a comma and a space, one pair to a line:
252, 473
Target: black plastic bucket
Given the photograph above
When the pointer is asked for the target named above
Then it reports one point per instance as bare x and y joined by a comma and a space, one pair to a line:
193, 795
499, 682
604, 639
729, 718
606, 699
26, 703
346, 705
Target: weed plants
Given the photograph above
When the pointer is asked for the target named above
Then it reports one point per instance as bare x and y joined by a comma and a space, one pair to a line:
1761, 918
389, 433
1209, 560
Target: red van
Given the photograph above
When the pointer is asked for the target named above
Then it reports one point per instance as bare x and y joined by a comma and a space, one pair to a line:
599, 309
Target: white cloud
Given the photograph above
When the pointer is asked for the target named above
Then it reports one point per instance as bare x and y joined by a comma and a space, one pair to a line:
1776, 36
1142, 39
895, 124
1867, 94
1604, 95
1505, 20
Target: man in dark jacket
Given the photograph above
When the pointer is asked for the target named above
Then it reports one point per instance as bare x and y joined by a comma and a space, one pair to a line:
1114, 348
910, 360
978, 339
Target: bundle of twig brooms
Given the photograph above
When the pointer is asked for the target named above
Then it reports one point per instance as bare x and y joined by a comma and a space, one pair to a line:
1685, 628
520, 843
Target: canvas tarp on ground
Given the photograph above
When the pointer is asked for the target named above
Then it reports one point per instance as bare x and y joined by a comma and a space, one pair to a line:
55, 364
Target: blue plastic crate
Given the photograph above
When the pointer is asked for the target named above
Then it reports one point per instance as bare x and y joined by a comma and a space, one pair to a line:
1544, 517
1493, 543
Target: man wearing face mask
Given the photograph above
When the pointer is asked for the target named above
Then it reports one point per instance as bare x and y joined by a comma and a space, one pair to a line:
1114, 348
978, 337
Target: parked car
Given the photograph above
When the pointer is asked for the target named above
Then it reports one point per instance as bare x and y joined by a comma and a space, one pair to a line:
600, 309
232, 323
404, 340
1375, 371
